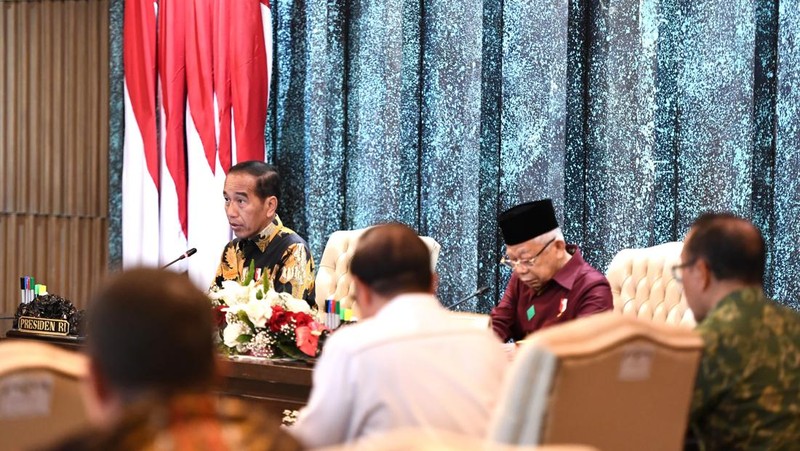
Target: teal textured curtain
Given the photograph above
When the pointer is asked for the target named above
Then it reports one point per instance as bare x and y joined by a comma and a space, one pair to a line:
635, 116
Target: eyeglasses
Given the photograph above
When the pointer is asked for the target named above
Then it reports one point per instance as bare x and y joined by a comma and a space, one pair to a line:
505, 261
677, 270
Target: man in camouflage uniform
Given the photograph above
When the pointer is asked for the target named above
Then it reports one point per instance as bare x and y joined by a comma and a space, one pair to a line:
747, 390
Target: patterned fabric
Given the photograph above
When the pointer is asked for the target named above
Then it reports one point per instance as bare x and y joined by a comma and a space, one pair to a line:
279, 254
192, 422
747, 394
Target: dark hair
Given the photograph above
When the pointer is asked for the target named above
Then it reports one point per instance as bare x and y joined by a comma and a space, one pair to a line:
151, 331
268, 181
732, 247
391, 259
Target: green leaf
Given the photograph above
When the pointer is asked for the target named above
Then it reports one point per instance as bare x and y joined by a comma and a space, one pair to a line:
259, 295
265, 281
251, 271
244, 338
291, 351
242, 315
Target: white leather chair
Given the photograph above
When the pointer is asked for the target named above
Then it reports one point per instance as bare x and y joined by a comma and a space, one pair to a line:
42, 395
642, 284
333, 273
610, 381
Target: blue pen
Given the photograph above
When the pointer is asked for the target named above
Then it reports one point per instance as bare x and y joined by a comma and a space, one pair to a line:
331, 313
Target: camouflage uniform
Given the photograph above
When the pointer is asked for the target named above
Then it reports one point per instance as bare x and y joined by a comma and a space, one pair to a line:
747, 394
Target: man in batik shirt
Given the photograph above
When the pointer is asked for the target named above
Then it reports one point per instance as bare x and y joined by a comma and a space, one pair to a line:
747, 393
153, 373
252, 189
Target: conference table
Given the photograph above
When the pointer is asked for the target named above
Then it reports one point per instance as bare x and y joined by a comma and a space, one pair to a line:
274, 385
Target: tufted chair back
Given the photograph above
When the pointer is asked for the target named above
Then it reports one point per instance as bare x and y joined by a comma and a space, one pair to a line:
42, 397
611, 381
642, 284
333, 273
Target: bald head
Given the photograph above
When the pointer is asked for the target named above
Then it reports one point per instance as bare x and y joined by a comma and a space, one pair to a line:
732, 247
391, 259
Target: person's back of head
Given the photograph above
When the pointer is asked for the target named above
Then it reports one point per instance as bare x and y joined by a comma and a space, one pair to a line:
732, 247
152, 365
268, 180
151, 332
391, 259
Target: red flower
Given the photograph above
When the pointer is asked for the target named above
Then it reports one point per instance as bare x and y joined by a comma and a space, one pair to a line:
279, 318
302, 319
306, 341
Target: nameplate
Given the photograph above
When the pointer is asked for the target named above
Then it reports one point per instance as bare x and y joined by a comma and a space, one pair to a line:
44, 326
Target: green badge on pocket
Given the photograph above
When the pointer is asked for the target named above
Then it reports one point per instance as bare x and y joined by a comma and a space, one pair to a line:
531, 312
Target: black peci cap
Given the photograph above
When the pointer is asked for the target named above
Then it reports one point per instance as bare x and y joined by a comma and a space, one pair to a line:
527, 221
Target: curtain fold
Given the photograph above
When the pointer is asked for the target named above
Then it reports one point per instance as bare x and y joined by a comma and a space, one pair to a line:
785, 281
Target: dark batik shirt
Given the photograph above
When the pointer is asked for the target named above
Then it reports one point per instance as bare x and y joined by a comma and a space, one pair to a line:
575, 290
747, 394
279, 253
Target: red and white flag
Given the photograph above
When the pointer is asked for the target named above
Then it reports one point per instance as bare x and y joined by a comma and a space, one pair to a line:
202, 67
140, 166
173, 229
206, 175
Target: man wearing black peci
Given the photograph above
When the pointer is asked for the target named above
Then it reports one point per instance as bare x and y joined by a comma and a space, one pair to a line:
551, 282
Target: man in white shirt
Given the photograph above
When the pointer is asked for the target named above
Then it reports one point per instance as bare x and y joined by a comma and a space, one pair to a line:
409, 362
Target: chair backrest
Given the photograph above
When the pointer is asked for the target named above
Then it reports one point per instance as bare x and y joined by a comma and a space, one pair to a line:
41, 393
609, 381
428, 439
333, 273
642, 284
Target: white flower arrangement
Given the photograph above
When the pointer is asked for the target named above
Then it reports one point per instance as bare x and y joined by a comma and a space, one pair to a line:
255, 320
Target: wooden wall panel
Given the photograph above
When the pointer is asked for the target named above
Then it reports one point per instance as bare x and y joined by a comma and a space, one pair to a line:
53, 146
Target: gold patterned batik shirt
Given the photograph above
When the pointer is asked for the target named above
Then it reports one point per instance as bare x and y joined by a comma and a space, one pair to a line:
279, 253
747, 394
186, 423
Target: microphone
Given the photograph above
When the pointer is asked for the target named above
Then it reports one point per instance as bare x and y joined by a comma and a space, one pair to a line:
476, 293
186, 254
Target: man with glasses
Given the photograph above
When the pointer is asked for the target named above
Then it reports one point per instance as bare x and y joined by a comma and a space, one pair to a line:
551, 282
747, 393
